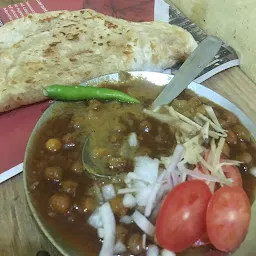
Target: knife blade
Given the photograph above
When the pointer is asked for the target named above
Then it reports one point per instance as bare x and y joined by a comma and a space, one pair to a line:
190, 69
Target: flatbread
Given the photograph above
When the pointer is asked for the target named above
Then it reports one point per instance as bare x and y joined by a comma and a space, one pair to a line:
63, 47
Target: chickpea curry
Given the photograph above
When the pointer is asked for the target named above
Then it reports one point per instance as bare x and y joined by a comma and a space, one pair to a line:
176, 175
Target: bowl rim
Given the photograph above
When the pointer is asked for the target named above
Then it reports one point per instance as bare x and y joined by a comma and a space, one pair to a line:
160, 79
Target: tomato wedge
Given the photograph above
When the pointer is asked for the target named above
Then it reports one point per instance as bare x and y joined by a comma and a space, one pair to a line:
181, 220
228, 217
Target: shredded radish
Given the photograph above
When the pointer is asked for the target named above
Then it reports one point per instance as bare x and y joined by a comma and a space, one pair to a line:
212, 115
109, 226
187, 128
108, 192
197, 174
126, 219
144, 240
189, 121
119, 247
95, 219
220, 132
152, 196
152, 250
205, 131
193, 149
143, 223
129, 201
132, 139
177, 137
172, 112
165, 252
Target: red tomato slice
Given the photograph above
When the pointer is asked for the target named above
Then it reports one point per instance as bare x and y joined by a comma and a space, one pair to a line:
228, 217
182, 217
233, 173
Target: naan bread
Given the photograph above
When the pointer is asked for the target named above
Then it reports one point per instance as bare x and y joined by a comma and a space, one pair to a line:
68, 48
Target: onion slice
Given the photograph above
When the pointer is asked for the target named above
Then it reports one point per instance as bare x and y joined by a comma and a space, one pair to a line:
119, 247
143, 223
152, 250
152, 196
109, 225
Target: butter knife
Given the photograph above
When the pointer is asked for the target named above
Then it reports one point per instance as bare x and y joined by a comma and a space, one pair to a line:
190, 69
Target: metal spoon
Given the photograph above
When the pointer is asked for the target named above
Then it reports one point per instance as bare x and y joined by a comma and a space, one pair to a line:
88, 164
190, 69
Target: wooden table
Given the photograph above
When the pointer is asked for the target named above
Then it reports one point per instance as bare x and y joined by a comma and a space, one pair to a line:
19, 234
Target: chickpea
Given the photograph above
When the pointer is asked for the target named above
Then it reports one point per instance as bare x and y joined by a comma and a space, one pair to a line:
53, 173
135, 244
95, 105
231, 138
180, 105
243, 146
69, 140
145, 126
60, 203
245, 158
87, 204
118, 207
100, 152
118, 163
194, 102
76, 121
121, 233
226, 150
69, 187
53, 145
77, 167
230, 117
200, 109
242, 133
119, 128
116, 138
189, 113
143, 151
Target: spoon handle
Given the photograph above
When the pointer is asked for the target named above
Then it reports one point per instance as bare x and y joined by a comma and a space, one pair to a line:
191, 68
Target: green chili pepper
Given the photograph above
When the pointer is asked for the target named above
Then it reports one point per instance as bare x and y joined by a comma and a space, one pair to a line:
73, 93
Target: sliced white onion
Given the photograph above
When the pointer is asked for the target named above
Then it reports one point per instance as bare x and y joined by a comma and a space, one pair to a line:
176, 157
144, 241
108, 192
109, 225
129, 201
253, 171
143, 223
128, 190
152, 196
126, 219
152, 250
95, 219
165, 252
142, 195
119, 248
146, 168
132, 139
100, 232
